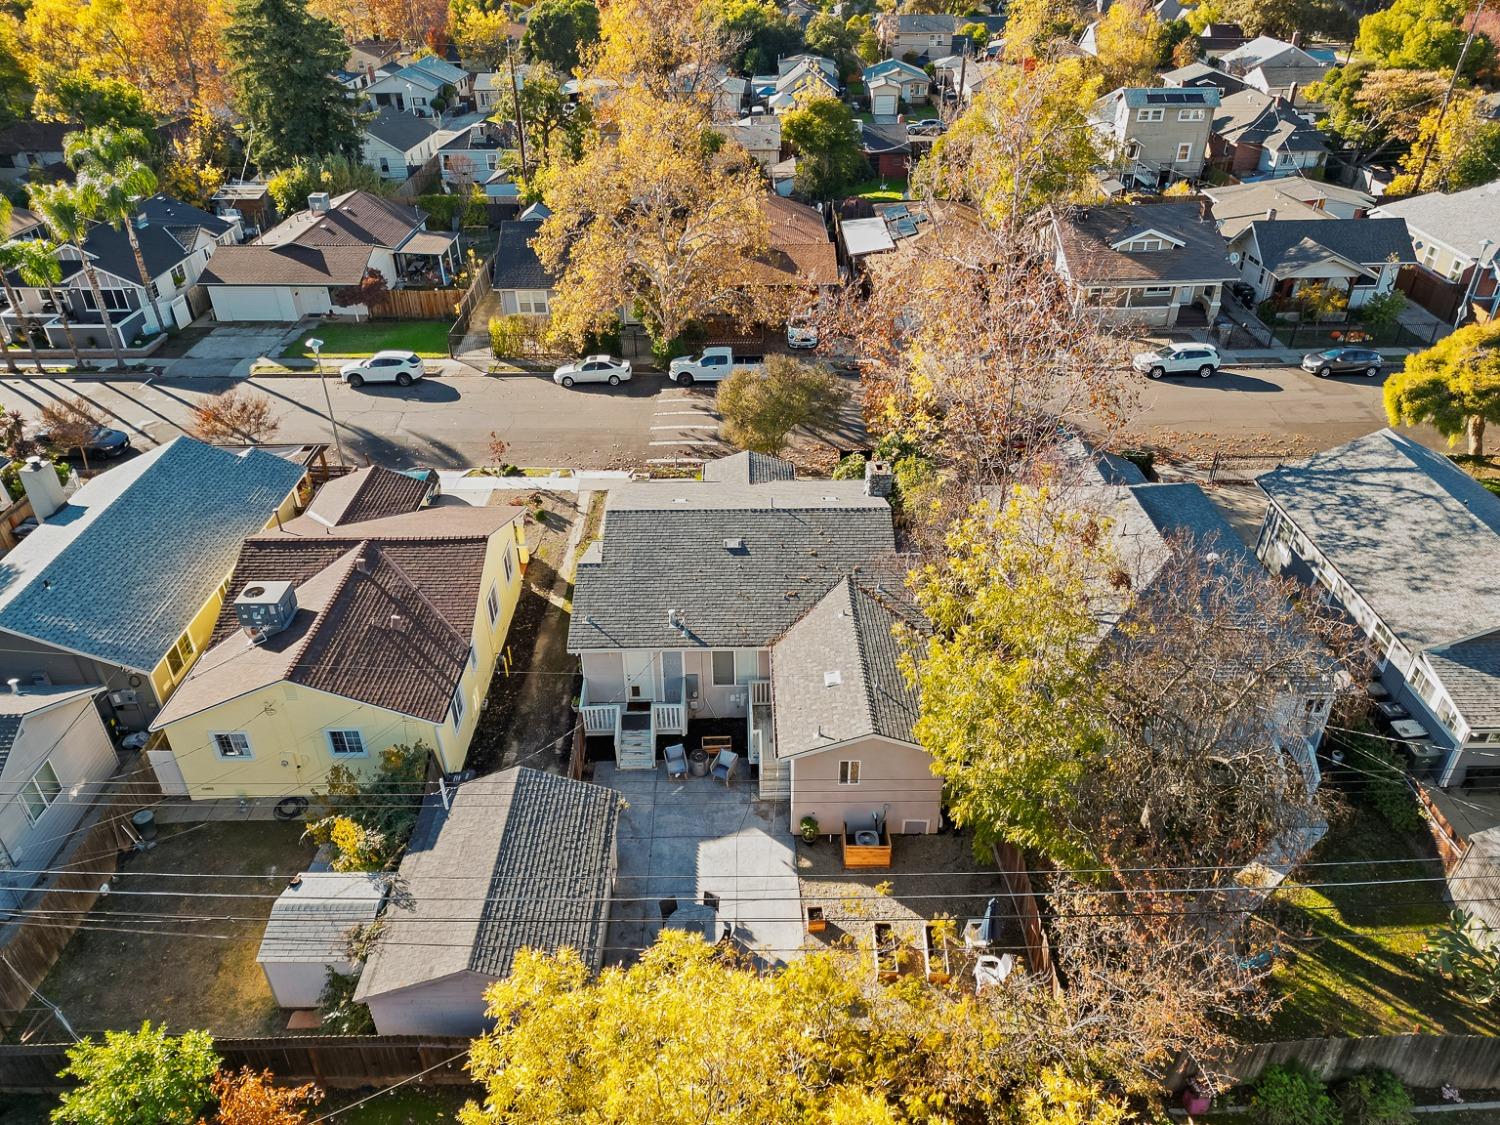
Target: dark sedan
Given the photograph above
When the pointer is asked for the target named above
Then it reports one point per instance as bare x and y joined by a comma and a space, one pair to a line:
103, 443
1343, 361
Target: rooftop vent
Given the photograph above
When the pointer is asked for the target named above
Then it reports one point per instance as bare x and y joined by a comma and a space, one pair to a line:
736, 545
266, 608
833, 679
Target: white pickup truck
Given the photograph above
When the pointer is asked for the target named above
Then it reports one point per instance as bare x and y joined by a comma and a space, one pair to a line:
712, 365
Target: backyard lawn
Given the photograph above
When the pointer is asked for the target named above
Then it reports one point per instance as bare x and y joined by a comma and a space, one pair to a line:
880, 191
409, 1105
1357, 974
428, 338
120, 969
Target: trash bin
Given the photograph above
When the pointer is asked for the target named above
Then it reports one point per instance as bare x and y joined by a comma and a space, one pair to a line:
698, 763
145, 824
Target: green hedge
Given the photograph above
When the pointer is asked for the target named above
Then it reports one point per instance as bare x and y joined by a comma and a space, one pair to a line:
441, 209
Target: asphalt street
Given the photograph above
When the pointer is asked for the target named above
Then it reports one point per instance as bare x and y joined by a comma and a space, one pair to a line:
448, 422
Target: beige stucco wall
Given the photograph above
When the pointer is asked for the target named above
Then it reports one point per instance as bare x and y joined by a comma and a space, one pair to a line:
891, 774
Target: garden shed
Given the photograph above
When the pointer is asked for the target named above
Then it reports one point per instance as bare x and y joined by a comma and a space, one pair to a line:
309, 931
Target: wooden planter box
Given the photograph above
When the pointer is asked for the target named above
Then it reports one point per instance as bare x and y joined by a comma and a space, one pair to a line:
866, 855
816, 923
887, 952
937, 968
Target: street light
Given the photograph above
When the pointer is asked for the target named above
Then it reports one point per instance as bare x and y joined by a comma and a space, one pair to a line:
316, 346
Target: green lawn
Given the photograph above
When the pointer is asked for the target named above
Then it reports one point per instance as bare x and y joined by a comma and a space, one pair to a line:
1356, 974
428, 338
880, 191
409, 1105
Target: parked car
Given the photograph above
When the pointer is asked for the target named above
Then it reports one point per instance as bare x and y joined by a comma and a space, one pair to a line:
800, 334
931, 127
593, 369
1343, 361
401, 368
712, 365
1178, 359
1243, 293
103, 443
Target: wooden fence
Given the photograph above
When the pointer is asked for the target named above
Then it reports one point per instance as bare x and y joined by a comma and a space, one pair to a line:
333, 1061
1467, 1061
28, 952
420, 304
1012, 863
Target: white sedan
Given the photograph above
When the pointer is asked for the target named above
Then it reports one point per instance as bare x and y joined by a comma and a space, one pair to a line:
594, 369
401, 368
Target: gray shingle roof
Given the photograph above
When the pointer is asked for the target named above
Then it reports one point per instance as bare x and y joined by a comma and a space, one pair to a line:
1251, 117
125, 587
1460, 220
516, 263
1201, 74
311, 922
1470, 674
1414, 535
369, 494
739, 563
925, 24
111, 251
836, 672
748, 468
172, 213
402, 131
10, 726
1290, 242
522, 859
1087, 237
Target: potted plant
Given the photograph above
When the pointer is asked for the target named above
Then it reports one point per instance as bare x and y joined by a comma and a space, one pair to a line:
816, 922
809, 829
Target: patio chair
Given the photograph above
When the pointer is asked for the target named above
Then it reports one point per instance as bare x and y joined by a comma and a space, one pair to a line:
677, 762
724, 764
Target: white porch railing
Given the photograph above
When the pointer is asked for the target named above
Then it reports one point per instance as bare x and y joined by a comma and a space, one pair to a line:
760, 693
669, 718
599, 718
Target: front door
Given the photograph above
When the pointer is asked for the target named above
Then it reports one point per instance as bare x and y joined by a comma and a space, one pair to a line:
671, 676
640, 675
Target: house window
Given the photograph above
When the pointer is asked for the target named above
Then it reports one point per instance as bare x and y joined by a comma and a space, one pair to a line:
1190, 114
1157, 290
723, 667
179, 276
848, 773
473, 659
1429, 255
1184, 152
456, 707
232, 744
179, 654
346, 743
1150, 114
492, 604
505, 561
38, 794
114, 299
1142, 246
533, 302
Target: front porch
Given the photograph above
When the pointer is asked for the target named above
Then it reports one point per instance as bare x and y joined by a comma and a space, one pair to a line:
428, 258
639, 729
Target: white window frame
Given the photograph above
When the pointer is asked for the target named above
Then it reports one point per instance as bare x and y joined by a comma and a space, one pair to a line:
233, 736
713, 669
492, 605
33, 789
510, 570
1184, 152
533, 302
849, 771
1143, 246
345, 732
456, 707
1191, 114
1154, 113
473, 659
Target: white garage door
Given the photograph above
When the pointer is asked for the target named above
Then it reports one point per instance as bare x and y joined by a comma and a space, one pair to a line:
245, 302
885, 105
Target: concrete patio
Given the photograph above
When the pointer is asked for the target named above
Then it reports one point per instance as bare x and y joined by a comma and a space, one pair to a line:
682, 840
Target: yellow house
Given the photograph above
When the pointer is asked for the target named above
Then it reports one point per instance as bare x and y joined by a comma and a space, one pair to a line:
375, 619
122, 581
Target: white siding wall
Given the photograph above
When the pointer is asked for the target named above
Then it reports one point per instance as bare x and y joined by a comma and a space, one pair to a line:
299, 984
450, 1006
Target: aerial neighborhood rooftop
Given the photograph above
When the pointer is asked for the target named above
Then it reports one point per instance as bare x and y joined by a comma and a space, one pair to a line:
629, 562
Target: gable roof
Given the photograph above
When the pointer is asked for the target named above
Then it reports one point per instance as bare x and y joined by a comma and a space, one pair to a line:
897, 68
886, 137
440, 69
400, 130
522, 859
356, 218
1291, 243
183, 220
800, 250
1251, 117
1236, 206
836, 672
1461, 219
111, 251
370, 493
738, 562
1414, 535
383, 620
120, 571
1267, 50
1087, 235
748, 468
250, 264
310, 921
924, 24
516, 264
1199, 74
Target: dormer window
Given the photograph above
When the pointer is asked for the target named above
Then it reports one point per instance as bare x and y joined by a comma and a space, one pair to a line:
1142, 245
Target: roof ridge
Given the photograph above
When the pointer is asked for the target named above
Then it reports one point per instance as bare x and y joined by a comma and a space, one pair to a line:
349, 559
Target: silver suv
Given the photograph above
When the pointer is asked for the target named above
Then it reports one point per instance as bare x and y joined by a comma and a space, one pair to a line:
1178, 359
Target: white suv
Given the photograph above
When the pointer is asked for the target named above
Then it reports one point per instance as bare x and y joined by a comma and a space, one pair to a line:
1178, 359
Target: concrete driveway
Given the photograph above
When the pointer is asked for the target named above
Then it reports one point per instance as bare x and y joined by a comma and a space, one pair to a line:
680, 840
229, 350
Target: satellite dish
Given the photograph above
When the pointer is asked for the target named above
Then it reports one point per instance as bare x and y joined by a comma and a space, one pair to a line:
1234, 257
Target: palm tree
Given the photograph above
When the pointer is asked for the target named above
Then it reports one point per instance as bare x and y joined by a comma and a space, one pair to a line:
12, 251
67, 212
36, 262
110, 159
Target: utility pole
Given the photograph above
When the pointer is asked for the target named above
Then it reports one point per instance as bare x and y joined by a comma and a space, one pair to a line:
515, 98
1448, 95
317, 350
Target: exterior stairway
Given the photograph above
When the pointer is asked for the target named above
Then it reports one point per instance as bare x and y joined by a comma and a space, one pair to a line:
635, 745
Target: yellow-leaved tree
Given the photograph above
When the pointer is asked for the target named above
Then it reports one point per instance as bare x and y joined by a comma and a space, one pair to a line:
1130, 41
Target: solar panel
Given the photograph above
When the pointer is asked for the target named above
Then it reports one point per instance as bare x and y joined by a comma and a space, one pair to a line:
905, 228
899, 211
1155, 99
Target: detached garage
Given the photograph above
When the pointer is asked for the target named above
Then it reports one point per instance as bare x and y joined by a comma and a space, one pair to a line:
281, 283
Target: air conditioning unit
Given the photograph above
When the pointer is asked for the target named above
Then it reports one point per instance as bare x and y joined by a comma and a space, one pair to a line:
123, 698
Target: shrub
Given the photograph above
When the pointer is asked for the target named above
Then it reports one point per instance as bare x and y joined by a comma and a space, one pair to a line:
368, 818
144, 1077
762, 406
1291, 1095
1381, 313
851, 467
508, 335
1384, 782
337, 1010
1375, 1097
